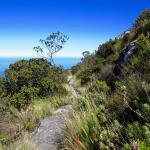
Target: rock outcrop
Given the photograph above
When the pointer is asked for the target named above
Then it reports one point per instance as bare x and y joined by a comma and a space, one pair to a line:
124, 56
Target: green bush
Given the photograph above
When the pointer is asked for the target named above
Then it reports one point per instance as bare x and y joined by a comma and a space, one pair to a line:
4, 137
142, 23
106, 49
27, 79
2, 86
102, 86
85, 76
98, 86
137, 131
90, 128
130, 100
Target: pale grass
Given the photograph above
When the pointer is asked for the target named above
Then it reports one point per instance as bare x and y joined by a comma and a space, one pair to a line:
28, 119
23, 144
78, 125
42, 109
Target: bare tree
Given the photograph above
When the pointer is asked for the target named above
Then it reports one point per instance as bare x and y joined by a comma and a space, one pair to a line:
51, 45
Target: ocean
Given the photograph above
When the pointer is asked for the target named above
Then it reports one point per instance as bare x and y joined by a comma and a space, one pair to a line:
65, 62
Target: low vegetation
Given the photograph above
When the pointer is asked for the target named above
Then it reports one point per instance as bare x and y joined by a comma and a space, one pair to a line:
14, 124
114, 113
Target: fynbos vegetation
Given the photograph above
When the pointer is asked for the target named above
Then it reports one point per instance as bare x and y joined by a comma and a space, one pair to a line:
115, 112
112, 88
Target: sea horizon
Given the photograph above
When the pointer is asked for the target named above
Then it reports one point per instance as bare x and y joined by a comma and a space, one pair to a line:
65, 62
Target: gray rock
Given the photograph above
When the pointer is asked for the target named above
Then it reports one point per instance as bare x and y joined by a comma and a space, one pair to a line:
50, 132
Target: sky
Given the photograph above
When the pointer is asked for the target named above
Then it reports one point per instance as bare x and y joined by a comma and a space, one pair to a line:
88, 23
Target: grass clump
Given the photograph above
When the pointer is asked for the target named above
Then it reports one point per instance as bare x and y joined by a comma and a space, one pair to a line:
23, 144
89, 128
16, 123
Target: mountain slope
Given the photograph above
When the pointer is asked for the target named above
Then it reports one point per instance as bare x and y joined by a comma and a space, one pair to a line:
116, 107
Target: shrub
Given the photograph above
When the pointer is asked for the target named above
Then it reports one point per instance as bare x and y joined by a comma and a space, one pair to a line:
137, 131
99, 86
27, 79
130, 100
89, 128
85, 76
4, 137
75, 69
142, 23
143, 64
106, 49
143, 145
118, 46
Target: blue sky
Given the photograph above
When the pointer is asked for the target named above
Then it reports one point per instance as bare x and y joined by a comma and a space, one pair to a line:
87, 22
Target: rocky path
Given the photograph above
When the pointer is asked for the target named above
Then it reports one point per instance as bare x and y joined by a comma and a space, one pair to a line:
50, 132
72, 85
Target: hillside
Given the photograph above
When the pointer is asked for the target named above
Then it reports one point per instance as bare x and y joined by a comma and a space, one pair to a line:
116, 107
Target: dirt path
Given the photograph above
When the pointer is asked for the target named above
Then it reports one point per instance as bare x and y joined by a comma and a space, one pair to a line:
76, 89
72, 86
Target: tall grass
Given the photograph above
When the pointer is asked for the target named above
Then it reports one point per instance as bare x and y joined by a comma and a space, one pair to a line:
16, 123
95, 127
88, 129
23, 144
